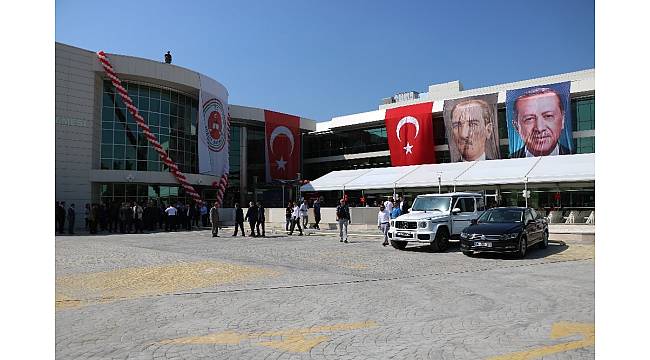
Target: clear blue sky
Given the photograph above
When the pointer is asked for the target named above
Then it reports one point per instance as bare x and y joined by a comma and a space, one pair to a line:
320, 59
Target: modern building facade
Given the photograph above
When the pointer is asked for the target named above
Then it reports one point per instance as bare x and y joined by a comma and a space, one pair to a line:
359, 141
102, 156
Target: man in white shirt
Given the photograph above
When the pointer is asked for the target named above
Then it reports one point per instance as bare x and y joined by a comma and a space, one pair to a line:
171, 217
383, 222
137, 217
388, 204
304, 211
295, 220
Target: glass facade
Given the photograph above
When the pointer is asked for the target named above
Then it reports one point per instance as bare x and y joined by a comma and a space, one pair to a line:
110, 193
345, 142
171, 116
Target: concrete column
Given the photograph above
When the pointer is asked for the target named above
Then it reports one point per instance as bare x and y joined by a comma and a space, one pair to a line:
243, 168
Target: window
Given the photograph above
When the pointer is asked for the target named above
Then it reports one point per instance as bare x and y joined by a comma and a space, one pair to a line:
124, 146
528, 217
583, 114
465, 204
480, 205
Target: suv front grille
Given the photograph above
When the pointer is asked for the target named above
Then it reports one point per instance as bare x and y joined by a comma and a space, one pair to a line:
406, 225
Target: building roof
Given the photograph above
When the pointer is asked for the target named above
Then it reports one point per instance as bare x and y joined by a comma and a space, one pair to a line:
564, 168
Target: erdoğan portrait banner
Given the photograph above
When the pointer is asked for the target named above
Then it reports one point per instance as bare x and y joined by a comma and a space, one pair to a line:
539, 120
410, 134
282, 138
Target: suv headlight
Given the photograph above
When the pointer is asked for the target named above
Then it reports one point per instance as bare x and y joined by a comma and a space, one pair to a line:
464, 235
511, 236
392, 223
423, 224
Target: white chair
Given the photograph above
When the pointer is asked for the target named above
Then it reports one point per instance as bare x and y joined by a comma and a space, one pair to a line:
571, 219
591, 219
553, 217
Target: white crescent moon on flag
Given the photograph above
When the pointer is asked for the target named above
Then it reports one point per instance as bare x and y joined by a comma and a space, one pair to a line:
281, 130
408, 120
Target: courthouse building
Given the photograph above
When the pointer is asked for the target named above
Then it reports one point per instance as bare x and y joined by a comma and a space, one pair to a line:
102, 156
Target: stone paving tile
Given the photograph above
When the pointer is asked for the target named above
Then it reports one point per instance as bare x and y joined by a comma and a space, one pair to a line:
416, 304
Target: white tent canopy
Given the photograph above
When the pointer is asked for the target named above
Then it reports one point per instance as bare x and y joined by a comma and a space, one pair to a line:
565, 168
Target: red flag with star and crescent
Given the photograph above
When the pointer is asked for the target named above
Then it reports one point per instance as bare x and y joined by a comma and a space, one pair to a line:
282, 145
410, 134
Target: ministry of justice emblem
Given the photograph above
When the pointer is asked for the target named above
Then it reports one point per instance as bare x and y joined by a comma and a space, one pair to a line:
214, 126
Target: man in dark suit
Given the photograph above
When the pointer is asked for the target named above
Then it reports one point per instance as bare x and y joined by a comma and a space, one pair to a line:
261, 218
539, 119
472, 128
251, 215
239, 220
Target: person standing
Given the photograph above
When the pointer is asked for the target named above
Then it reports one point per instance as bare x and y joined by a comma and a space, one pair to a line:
162, 218
122, 218
196, 216
295, 219
204, 215
94, 218
251, 215
129, 217
287, 214
137, 217
180, 216
171, 217
189, 211
396, 211
343, 218
383, 223
388, 204
261, 219
304, 213
86, 214
405, 206
115, 216
71, 216
317, 213
103, 217
61, 217
214, 220
239, 220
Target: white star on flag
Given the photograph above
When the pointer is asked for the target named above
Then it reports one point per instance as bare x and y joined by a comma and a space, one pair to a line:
408, 148
281, 163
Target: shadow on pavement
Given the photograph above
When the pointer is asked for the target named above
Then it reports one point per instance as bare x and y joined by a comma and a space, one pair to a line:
534, 252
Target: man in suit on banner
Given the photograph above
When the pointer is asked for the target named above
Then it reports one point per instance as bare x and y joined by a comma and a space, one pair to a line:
472, 124
539, 119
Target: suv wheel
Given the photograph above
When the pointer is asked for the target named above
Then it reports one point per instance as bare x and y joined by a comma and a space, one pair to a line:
441, 242
544, 243
399, 245
523, 246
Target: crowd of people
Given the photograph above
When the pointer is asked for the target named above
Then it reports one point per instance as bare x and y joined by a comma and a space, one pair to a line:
133, 217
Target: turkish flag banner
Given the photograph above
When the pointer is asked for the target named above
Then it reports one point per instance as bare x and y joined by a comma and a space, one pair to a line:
410, 134
282, 146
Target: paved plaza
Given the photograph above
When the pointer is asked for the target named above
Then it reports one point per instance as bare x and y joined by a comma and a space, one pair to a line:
188, 295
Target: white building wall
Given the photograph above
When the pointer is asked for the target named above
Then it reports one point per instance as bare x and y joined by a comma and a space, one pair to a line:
76, 126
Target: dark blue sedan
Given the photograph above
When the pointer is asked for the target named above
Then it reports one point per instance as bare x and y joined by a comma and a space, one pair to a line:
505, 229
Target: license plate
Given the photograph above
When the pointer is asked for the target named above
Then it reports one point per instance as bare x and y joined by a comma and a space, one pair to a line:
404, 234
482, 244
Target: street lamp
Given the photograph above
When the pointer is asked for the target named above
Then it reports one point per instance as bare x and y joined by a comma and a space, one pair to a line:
439, 182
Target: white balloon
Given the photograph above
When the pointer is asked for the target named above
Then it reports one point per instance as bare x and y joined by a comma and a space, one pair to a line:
408, 120
281, 130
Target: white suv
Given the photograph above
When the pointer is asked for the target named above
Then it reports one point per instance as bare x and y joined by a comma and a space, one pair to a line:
434, 218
